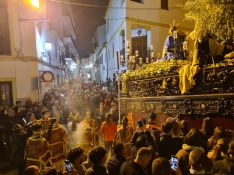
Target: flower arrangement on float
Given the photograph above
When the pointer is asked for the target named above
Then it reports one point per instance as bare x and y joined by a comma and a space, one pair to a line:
159, 68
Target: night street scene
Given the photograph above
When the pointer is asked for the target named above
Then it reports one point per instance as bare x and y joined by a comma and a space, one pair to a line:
116, 87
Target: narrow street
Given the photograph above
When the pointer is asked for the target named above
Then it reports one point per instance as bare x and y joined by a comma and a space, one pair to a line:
116, 87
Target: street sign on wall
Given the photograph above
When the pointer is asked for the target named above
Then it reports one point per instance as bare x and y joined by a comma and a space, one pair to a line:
47, 76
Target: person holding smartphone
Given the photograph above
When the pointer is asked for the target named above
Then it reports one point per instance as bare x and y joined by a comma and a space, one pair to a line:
161, 166
141, 138
69, 169
75, 158
174, 163
68, 166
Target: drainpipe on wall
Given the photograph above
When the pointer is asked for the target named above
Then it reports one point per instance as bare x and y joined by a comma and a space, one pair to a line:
107, 67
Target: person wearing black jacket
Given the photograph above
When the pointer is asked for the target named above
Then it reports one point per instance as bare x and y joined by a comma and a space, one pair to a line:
141, 138
138, 165
116, 161
97, 157
225, 166
168, 145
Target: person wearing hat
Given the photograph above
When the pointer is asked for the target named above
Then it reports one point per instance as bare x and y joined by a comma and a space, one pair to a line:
37, 149
57, 138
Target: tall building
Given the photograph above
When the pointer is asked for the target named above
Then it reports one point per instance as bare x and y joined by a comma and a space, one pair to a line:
141, 24
37, 48
99, 54
95, 66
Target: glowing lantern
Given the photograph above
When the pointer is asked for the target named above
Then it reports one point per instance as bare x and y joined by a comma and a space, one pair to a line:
35, 3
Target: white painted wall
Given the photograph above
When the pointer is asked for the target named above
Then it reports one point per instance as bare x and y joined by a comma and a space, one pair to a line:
100, 37
157, 19
152, 11
103, 66
115, 18
22, 31
45, 34
99, 73
150, 16
27, 38
25, 74
18, 66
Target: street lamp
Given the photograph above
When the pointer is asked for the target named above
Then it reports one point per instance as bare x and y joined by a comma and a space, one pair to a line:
37, 9
35, 3
48, 46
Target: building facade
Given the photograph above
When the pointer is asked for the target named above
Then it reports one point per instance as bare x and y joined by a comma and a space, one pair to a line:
139, 25
101, 63
34, 41
97, 63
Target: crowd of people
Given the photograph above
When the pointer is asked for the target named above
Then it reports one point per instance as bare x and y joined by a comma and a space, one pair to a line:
53, 121
77, 130
77, 97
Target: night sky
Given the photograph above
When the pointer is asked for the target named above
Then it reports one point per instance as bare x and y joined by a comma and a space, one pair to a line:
87, 20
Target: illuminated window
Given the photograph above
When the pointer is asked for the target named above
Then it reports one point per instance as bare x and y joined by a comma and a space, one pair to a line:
164, 4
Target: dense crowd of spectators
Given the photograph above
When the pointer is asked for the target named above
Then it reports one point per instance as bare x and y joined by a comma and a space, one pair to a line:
117, 148
61, 103
77, 97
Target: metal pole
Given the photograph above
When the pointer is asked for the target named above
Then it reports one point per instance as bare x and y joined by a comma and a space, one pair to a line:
118, 81
107, 65
119, 76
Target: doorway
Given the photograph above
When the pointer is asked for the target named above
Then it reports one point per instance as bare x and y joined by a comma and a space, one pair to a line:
139, 37
6, 93
139, 43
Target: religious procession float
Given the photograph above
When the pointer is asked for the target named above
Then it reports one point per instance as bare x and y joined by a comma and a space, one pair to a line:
197, 84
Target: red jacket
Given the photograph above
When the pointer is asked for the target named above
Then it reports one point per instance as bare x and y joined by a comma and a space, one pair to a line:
108, 131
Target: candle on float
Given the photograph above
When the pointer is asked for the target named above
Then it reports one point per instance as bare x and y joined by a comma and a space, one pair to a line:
159, 55
128, 44
128, 60
133, 59
3, 96
175, 34
136, 53
185, 45
147, 60
128, 51
122, 58
140, 60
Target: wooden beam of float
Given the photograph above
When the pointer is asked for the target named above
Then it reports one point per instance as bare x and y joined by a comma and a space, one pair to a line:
202, 104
